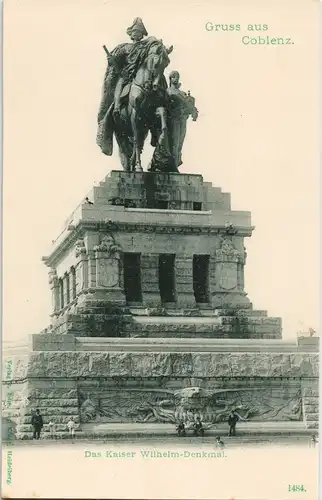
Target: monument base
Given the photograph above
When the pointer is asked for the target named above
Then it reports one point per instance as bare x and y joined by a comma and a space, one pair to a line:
160, 381
155, 245
151, 323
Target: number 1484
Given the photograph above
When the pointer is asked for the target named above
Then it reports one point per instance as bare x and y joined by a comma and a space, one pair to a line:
296, 487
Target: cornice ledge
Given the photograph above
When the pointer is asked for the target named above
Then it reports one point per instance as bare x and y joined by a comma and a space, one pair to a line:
78, 231
71, 237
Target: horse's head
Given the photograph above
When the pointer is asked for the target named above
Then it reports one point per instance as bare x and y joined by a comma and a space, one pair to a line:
157, 61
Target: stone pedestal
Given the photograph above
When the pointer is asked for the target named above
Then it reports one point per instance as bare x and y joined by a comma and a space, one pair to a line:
152, 216
149, 380
120, 350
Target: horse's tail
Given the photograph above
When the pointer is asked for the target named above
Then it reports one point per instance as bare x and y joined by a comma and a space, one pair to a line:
104, 136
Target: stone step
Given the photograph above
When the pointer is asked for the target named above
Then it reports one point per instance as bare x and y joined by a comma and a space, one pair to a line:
189, 336
247, 312
220, 327
202, 335
179, 320
174, 326
170, 312
253, 320
262, 325
202, 310
257, 430
218, 331
183, 345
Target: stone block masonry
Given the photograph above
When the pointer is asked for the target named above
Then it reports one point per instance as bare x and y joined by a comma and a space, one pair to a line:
96, 364
127, 251
60, 382
151, 321
170, 215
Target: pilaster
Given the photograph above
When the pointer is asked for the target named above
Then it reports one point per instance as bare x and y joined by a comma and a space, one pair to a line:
54, 286
107, 270
66, 289
81, 270
227, 276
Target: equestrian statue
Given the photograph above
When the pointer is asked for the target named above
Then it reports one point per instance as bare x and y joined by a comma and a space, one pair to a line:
136, 100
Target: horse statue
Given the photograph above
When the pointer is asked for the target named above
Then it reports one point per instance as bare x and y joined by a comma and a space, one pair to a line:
142, 106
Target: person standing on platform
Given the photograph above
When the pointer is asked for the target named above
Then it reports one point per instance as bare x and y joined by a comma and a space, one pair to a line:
232, 421
198, 429
313, 441
181, 430
37, 423
71, 427
51, 427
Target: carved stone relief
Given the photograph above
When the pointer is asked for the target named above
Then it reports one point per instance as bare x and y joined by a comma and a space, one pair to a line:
80, 248
107, 262
108, 246
227, 252
227, 272
213, 406
107, 273
227, 260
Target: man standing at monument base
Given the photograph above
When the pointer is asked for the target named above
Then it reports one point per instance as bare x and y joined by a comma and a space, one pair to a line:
233, 418
37, 423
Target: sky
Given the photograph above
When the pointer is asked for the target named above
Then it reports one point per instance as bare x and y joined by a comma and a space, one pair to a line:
256, 136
